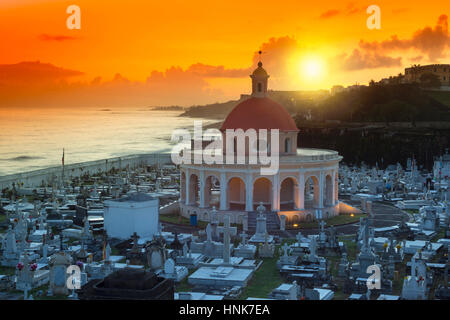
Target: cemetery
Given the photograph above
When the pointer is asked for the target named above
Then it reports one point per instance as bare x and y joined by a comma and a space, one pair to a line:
48, 239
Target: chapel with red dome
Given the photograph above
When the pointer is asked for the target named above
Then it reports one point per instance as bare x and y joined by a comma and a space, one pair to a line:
304, 188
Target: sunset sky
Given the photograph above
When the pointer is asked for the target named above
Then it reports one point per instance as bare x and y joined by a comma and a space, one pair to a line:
145, 52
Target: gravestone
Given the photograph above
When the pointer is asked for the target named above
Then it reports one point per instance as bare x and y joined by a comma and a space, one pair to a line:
245, 223
169, 266
267, 249
227, 231
282, 222
261, 226
244, 249
171, 271
11, 253
415, 285
59, 262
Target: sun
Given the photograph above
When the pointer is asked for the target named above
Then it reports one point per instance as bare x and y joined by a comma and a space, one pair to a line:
312, 68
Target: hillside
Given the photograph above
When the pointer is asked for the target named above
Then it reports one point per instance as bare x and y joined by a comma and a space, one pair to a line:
385, 103
441, 96
293, 101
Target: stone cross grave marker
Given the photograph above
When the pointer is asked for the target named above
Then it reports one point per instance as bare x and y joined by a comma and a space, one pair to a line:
227, 231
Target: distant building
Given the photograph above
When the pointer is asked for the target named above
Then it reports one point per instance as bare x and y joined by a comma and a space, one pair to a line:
336, 89
137, 212
413, 74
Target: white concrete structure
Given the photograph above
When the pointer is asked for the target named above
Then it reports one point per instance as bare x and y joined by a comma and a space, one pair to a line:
137, 212
307, 179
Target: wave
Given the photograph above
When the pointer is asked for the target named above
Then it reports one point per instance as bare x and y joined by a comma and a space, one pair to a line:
23, 158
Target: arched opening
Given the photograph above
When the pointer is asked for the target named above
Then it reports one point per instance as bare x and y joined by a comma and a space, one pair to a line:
262, 193
259, 87
328, 190
312, 193
183, 187
194, 190
295, 221
236, 194
287, 145
288, 189
212, 192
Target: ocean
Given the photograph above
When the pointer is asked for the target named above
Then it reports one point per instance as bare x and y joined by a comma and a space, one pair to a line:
32, 139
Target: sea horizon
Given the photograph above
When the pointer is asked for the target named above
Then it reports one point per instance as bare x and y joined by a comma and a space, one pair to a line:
32, 140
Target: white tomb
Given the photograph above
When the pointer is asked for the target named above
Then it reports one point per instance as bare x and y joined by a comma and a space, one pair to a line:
220, 277
136, 212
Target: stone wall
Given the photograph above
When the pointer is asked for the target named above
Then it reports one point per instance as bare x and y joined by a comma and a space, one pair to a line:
36, 177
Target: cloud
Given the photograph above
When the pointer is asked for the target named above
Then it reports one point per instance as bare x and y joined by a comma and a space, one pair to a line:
365, 60
57, 38
416, 59
276, 55
353, 9
329, 14
29, 84
430, 41
349, 10
34, 72
204, 70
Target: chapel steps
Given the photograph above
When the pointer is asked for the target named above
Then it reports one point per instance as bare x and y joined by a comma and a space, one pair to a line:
272, 221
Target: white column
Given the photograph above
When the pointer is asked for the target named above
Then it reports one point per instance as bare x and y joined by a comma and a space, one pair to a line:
296, 196
276, 192
188, 180
202, 189
223, 191
248, 193
333, 186
301, 191
321, 188
182, 188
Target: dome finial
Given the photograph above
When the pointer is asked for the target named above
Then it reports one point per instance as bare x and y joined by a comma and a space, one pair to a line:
260, 63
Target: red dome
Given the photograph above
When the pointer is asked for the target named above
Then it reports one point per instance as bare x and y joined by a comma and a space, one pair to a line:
259, 113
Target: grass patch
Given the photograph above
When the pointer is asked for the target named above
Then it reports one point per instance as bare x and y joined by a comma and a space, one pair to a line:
178, 219
339, 295
184, 285
342, 219
115, 251
350, 244
7, 271
265, 279
441, 96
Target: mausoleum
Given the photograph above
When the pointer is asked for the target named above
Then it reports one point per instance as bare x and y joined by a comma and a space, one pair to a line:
304, 188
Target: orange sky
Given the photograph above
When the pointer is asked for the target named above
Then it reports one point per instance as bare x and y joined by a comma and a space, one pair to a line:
134, 38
